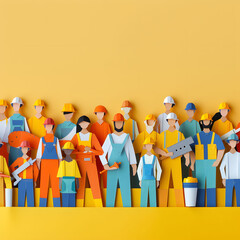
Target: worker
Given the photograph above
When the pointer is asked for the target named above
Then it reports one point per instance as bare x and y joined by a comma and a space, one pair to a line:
171, 166
118, 146
5, 179
69, 175
35, 123
101, 129
15, 123
162, 124
149, 173
189, 128
48, 157
88, 146
209, 149
67, 129
3, 125
230, 171
29, 177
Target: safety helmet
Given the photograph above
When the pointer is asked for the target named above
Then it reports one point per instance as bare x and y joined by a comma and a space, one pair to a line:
100, 108
39, 102
234, 137
190, 106
25, 144
169, 99
68, 107
3, 103
49, 121
150, 117
148, 140
126, 103
118, 117
206, 116
223, 106
17, 100
172, 116
68, 145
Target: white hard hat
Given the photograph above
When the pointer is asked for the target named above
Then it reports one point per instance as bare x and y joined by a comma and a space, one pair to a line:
172, 116
17, 100
169, 99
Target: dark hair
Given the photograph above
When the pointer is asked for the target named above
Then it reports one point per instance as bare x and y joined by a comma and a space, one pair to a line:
82, 119
67, 113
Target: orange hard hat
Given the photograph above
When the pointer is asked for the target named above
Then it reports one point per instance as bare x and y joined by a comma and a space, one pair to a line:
49, 121
25, 144
126, 103
118, 117
100, 108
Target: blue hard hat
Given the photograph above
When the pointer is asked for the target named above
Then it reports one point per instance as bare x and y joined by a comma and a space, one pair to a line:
190, 106
234, 137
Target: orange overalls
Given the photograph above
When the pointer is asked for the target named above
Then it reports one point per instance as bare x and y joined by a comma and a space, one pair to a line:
87, 166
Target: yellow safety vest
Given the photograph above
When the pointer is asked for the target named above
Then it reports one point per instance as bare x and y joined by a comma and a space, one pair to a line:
212, 149
87, 143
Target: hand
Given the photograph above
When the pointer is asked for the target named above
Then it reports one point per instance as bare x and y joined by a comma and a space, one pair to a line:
34, 184
215, 164
38, 162
157, 184
134, 168
224, 182
187, 161
106, 167
169, 154
87, 149
140, 183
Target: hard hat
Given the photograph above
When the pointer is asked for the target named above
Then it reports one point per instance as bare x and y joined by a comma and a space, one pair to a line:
118, 117
49, 121
100, 108
68, 107
234, 137
126, 103
148, 140
68, 145
206, 116
169, 100
150, 117
17, 100
223, 106
39, 102
172, 116
190, 106
25, 144
3, 102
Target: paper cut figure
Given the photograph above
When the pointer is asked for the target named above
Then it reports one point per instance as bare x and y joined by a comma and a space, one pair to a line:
28, 176
162, 124
15, 123
3, 125
69, 175
230, 171
5, 178
209, 150
48, 157
189, 129
101, 129
118, 146
67, 129
171, 166
149, 173
88, 146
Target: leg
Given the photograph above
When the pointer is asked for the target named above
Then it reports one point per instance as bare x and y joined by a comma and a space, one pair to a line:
112, 180
185, 169
21, 193
44, 183
64, 199
152, 194
144, 193
229, 192
55, 183
82, 183
125, 187
30, 193
72, 200
200, 175
211, 183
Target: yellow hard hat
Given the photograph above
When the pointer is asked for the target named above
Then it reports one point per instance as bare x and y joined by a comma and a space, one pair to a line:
223, 106
206, 116
150, 117
39, 102
68, 145
68, 107
3, 102
148, 140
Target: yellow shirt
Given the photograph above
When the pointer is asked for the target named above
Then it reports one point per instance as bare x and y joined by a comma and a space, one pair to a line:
36, 126
130, 128
220, 127
4, 169
68, 169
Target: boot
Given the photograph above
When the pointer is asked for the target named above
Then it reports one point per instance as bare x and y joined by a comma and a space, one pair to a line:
179, 198
201, 198
163, 197
211, 197
43, 202
56, 202
98, 202
80, 203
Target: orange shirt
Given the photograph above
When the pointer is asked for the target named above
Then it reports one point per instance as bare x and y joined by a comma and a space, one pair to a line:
30, 173
101, 131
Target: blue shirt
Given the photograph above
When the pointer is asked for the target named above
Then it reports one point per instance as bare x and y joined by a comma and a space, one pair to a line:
206, 139
64, 129
190, 129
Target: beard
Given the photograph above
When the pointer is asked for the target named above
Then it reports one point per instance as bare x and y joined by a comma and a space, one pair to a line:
207, 126
118, 129
149, 129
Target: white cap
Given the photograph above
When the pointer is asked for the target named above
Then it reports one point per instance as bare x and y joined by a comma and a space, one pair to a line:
172, 116
17, 100
169, 100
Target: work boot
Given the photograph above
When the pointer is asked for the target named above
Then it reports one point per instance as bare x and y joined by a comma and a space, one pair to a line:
201, 198
98, 202
179, 198
43, 202
80, 203
56, 202
211, 197
163, 197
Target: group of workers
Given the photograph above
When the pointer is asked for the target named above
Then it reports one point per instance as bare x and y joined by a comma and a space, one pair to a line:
123, 158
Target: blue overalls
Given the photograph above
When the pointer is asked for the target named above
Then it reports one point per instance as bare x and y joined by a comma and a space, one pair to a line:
68, 192
148, 184
26, 188
230, 184
122, 175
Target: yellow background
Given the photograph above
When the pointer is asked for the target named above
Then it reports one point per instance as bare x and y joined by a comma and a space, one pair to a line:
106, 51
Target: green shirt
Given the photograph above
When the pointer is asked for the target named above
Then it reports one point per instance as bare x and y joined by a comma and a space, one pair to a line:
190, 129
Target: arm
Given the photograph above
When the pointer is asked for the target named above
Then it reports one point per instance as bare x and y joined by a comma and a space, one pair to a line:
139, 171
7, 132
219, 157
136, 129
221, 150
35, 172
159, 172
131, 155
161, 152
105, 148
7, 180
59, 152
223, 169
96, 147
26, 128
39, 153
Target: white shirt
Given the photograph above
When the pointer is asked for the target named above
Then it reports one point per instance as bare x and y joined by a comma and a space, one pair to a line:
230, 166
84, 137
107, 148
40, 152
148, 160
3, 126
162, 122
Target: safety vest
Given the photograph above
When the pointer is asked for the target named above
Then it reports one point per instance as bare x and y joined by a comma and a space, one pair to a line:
87, 143
199, 149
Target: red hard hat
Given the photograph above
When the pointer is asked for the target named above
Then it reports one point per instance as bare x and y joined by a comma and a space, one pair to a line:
49, 121
100, 108
25, 144
118, 117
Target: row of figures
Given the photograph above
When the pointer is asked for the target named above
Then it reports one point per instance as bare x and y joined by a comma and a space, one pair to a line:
31, 155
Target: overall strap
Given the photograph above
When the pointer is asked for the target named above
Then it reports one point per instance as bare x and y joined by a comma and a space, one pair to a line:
143, 158
111, 139
90, 138
133, 130
213, 137
198, 138
55, 140
43, 140
124, 142
165, 134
